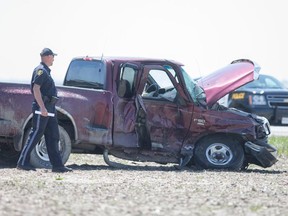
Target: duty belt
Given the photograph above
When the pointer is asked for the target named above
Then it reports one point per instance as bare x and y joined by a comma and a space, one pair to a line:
50, 99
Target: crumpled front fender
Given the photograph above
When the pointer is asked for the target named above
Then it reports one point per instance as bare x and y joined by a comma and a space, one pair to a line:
265, 155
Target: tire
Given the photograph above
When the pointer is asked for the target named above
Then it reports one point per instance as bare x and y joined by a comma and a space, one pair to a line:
219, 153
39, 156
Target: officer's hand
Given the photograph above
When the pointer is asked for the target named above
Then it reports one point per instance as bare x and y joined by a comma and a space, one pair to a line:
44, 112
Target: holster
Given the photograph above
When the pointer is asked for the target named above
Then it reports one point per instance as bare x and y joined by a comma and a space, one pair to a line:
50, 99
54, 99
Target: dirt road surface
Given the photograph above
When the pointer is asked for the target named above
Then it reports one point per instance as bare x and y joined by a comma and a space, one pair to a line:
93, 188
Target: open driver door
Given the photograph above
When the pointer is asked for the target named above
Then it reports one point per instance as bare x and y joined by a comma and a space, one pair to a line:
130, 129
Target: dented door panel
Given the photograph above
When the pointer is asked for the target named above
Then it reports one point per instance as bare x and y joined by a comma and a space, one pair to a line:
168, 123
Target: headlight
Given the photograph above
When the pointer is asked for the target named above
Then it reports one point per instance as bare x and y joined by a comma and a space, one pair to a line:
263, 129
257, 100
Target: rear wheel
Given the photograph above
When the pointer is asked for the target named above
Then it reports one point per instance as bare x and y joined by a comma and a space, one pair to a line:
219, 153
39, 156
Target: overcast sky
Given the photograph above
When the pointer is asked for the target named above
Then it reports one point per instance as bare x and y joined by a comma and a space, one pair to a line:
205, 35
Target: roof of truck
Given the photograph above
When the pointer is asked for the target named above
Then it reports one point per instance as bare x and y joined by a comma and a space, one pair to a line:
122, 59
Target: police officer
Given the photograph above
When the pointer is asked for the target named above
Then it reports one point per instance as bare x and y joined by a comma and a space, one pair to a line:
45, 96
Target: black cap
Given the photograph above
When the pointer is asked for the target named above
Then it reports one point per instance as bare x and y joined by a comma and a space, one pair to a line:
46, 52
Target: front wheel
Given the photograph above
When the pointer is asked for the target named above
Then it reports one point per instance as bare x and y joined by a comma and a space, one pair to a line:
219, 153
39, 156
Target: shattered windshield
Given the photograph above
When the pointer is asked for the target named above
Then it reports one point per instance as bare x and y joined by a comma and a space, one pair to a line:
195, 91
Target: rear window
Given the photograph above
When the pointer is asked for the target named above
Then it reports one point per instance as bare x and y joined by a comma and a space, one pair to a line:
86, 74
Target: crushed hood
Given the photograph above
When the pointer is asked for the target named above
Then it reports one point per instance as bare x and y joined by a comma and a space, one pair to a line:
219, 83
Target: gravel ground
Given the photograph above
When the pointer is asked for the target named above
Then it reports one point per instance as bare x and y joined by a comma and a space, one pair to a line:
93, 188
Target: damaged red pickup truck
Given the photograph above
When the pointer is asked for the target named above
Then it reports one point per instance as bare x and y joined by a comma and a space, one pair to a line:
144, 110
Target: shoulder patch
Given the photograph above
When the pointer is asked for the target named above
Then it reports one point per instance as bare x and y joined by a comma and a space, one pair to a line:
39, 72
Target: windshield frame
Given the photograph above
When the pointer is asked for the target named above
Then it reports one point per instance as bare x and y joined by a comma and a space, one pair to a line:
195, 91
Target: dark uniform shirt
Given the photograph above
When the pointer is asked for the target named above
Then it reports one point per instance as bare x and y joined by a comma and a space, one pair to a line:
41, 76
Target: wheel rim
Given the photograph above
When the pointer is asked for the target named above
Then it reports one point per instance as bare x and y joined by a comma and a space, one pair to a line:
41, 149
219, 154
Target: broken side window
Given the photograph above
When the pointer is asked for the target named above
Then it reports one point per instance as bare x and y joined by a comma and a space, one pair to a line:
159, 86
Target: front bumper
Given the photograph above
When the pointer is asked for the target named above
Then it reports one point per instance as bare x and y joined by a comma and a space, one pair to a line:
264, 156
280, 115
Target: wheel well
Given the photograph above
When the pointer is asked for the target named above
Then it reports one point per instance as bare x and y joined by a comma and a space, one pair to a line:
217, 135
63, 120
67, 124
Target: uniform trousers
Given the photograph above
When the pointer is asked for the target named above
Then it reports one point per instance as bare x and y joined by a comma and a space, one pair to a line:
47, 126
